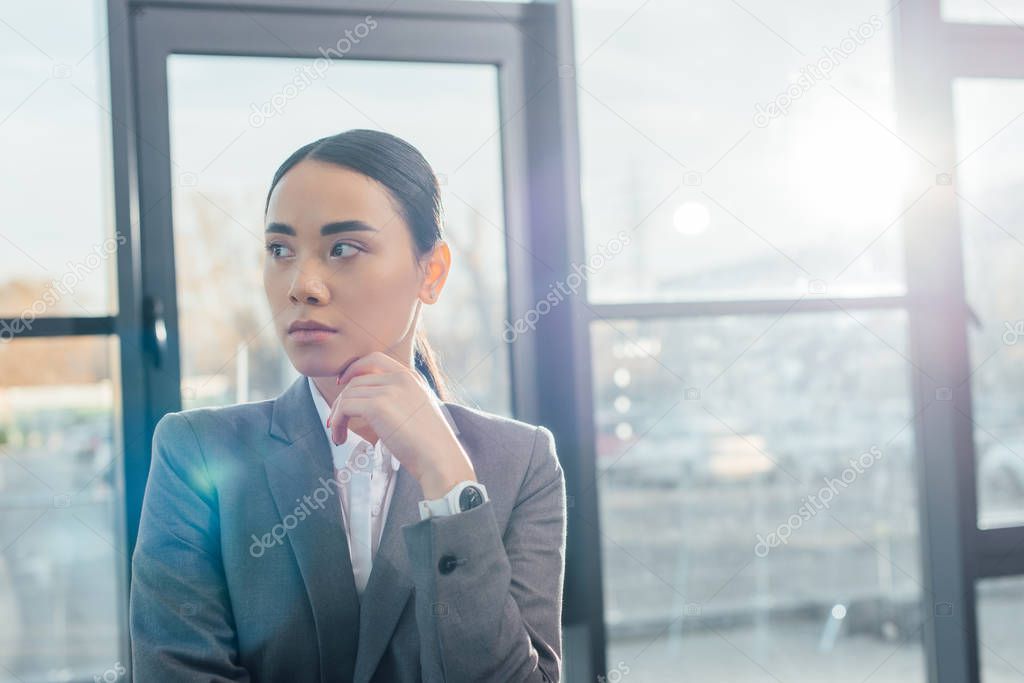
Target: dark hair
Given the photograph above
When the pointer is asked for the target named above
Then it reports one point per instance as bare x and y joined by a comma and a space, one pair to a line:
401, 168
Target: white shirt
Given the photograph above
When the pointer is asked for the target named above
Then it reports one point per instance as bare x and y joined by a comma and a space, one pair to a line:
361, 492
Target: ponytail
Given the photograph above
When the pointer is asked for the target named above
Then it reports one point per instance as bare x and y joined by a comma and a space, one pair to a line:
427, 365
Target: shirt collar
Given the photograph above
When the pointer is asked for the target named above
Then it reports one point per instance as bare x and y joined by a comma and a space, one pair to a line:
342, 453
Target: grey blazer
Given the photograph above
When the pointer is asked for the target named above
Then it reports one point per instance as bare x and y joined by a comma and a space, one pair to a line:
241, 571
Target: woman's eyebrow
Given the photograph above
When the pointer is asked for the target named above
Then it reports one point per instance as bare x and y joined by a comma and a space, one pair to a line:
329, 229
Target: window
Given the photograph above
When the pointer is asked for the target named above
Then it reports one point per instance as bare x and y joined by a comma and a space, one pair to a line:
777, 178
62, 553
1000, 648
751, 370
58, 256
61, 549
990, 131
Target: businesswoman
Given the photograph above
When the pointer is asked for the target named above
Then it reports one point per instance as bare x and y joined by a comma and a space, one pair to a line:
358, 527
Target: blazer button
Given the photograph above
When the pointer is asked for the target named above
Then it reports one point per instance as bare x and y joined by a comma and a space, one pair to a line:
447, 564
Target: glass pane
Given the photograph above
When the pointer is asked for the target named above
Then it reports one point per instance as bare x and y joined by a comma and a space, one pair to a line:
775, 457
1000, 646
747, 148
60, 551
59, 242
235, 119
983, 11
989, 138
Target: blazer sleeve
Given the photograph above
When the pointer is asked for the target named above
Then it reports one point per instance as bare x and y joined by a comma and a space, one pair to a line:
180, 618
497, 615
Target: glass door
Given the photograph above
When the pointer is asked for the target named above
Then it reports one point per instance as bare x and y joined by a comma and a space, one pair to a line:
226, 96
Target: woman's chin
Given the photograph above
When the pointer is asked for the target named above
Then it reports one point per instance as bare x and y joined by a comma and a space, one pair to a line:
315, 362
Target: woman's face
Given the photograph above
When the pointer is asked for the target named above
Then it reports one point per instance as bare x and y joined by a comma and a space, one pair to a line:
340, 253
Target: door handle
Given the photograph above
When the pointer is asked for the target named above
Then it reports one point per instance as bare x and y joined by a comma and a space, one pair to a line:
154, 329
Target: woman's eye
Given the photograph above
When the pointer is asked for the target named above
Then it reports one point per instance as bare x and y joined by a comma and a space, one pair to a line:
276, 249
351, 249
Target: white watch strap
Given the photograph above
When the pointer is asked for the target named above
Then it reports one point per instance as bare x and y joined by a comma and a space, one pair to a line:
449, 504
437, 507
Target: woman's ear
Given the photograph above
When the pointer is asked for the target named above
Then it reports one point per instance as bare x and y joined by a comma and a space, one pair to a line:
436, 267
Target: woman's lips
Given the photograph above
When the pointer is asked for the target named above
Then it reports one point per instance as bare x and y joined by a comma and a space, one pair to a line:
311, 336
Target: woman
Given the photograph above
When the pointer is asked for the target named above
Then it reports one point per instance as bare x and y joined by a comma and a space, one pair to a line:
359, 527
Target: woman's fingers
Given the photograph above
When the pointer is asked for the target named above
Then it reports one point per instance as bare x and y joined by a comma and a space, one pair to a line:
375, 379
362, 391
376, 361
368, 380
363, 381
345, 409
339, 422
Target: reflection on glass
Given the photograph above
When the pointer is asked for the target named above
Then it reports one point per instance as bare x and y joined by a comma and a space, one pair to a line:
235, 119
757, 494
59, 549
989, 137
748, 147
58, 255
1000, 646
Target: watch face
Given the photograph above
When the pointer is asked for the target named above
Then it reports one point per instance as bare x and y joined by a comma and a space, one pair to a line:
470, 498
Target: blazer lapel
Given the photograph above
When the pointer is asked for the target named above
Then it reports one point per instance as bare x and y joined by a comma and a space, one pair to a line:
301, 477
390, 585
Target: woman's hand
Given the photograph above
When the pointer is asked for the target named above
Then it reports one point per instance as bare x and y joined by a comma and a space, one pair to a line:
398, 404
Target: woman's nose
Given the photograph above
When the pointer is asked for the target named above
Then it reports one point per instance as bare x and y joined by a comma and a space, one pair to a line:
309, 290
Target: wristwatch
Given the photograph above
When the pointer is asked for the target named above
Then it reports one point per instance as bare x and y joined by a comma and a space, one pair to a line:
465, 495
